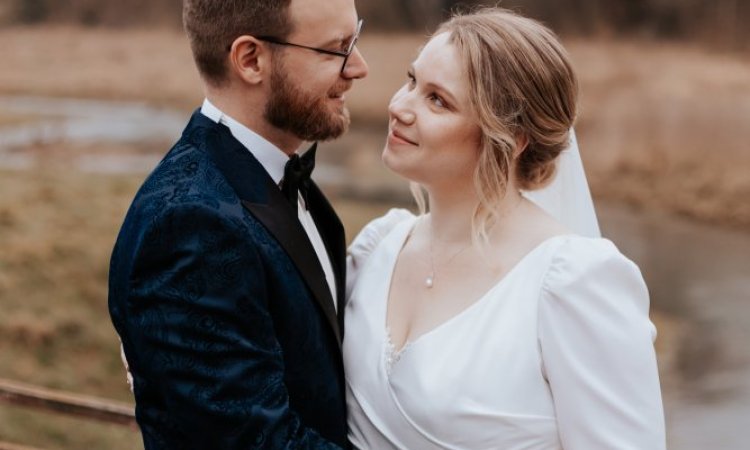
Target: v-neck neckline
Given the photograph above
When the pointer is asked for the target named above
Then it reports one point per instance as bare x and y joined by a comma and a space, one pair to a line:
385, 326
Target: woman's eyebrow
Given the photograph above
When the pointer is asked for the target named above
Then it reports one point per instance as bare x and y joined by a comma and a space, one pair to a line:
435, 86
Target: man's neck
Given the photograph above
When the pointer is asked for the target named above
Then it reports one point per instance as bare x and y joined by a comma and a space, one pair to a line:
249, 112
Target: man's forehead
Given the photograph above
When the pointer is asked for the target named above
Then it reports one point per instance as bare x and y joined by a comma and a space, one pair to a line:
323, 18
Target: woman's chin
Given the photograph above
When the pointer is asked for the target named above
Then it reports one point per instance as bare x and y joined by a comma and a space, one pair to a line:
391, 160
400, 166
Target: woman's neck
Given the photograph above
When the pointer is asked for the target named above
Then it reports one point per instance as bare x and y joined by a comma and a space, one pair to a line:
452, 210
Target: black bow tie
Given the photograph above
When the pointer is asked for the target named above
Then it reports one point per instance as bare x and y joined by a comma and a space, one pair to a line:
297, 173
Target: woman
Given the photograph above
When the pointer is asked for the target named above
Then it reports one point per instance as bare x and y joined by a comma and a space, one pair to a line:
487, 323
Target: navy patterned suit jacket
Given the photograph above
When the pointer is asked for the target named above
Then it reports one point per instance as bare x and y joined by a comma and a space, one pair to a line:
222, 305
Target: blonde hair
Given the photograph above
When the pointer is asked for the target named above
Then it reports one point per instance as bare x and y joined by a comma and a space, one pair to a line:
522, 87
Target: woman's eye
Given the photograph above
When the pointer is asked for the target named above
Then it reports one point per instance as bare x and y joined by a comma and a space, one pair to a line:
411, 80
437, 101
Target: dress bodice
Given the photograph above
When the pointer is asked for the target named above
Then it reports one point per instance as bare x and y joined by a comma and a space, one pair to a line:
480, 380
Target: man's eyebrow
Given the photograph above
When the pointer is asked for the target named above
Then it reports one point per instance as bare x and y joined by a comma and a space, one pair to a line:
341, 39
334, 41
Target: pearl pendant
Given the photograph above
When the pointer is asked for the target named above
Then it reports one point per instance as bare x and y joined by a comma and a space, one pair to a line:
428, 282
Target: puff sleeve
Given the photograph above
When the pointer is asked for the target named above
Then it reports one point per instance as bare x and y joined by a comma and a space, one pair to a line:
367, 240
598, 357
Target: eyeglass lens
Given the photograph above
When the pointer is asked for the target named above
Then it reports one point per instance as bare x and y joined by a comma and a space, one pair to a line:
352, 44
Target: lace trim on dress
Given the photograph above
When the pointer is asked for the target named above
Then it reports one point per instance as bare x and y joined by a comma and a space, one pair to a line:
392, 356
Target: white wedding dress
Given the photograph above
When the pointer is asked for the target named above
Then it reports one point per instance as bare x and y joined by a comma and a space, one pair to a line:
557, 355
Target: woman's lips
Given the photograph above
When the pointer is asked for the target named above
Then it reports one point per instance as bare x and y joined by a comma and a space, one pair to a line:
398, 138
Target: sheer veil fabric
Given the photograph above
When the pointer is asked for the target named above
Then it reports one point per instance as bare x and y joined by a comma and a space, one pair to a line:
568, 198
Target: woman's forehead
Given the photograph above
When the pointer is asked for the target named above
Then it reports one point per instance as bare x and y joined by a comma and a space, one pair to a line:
439, 62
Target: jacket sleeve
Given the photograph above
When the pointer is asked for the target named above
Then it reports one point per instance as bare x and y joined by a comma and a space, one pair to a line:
200, 334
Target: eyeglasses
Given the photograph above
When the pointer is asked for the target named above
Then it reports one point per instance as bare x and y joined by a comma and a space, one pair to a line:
344, 54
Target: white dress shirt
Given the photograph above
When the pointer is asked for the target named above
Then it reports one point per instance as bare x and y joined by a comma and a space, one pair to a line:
273, 160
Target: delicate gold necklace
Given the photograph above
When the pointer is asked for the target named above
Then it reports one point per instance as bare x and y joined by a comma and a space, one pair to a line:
429, 281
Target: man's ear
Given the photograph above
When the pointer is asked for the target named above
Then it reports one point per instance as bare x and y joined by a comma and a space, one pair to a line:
249, 59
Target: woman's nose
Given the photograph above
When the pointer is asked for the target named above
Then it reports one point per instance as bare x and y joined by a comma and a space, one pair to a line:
399, 108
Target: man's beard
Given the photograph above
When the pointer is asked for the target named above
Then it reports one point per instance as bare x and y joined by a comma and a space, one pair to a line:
306, 116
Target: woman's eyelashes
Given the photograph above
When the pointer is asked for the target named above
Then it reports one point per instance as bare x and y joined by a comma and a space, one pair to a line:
437, 101
433, 97
412, 80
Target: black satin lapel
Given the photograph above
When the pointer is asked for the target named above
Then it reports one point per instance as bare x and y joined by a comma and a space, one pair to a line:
262, 197
287, 230
332, 232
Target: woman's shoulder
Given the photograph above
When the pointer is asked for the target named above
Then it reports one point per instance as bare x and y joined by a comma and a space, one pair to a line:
585, 251
590, 285
578, 258
368, 240
374, 232
584, 267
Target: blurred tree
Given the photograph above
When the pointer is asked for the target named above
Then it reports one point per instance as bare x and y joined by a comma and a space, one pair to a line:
719, 22
31, 11
425, 13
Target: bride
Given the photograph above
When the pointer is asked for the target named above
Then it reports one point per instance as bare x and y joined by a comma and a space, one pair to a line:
491, 322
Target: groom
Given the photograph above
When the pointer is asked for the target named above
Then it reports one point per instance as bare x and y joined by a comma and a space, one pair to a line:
226, 280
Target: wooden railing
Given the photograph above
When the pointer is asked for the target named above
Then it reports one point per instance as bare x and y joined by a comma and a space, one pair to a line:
88, 407
9, 446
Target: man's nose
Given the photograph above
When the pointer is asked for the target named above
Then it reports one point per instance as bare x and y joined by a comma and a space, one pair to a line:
356, 66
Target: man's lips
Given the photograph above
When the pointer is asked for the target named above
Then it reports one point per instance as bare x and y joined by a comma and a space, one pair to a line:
339, 93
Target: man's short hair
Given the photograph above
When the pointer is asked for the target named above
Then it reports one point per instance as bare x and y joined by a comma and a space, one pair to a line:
212, 26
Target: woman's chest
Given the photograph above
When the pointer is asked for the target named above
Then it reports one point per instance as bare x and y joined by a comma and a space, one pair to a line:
478, 376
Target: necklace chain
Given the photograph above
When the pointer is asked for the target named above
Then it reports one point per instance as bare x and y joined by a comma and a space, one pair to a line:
429, 281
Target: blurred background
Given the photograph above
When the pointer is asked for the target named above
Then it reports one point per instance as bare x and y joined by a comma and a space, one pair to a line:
93, 93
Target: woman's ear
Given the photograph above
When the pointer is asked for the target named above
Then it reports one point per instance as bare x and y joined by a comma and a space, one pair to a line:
522, 141
249, 59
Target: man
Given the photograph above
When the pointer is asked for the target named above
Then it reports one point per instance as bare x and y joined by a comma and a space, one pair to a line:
227, 289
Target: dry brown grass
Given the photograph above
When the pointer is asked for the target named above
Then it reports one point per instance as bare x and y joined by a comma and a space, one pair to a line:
666, 126
56, 232
661, 126
153, 65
